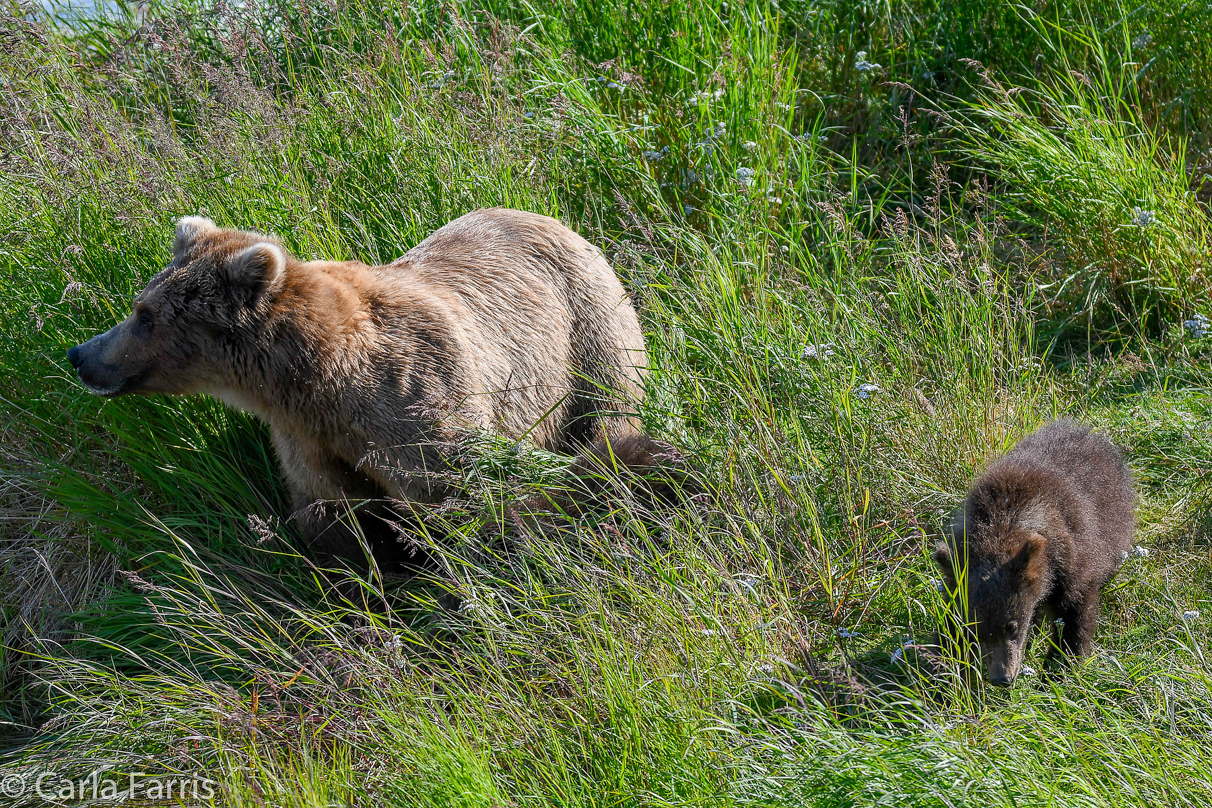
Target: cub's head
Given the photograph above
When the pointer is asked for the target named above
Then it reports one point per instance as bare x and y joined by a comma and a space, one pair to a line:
995, 576
176, 336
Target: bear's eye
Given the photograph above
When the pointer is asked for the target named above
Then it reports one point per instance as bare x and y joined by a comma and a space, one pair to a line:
1012, 628
144, 324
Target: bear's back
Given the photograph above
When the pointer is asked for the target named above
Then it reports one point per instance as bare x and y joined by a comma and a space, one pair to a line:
1093, 472
540, 308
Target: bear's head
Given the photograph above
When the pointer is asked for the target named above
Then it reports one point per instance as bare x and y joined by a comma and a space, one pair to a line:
179, 333
994, 577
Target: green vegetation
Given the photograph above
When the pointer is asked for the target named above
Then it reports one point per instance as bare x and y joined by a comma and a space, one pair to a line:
995, 214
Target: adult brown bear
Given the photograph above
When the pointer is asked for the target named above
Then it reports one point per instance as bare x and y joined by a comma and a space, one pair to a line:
501, 320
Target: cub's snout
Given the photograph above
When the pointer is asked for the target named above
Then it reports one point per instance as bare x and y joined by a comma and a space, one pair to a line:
1002, 664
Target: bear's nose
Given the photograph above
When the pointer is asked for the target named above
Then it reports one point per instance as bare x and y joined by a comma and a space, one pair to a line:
1002, 681
75, 356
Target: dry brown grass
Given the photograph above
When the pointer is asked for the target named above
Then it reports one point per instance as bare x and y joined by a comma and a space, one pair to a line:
50, 569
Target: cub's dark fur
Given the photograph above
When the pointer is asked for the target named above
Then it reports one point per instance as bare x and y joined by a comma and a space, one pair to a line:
1039, 535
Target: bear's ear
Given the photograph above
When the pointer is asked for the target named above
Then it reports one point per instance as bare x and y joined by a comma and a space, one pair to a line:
190, 229
259, 269
957, 527
1033, 518
1034, 555
942, 557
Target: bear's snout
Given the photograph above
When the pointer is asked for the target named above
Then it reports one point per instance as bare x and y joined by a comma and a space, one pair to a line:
98, 376
83, 357
1001, 680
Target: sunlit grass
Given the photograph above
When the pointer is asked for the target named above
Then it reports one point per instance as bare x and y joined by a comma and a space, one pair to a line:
754, 644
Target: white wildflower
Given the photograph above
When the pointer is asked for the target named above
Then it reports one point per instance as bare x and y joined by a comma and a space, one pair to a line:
1026, 670
657, 156
1193, 614
708, 632
899, 654
745, 176
822, 351
443, 80
749, 145
1142, 40
847, 634
1199, 325
706, 96
862, 65
866, 390
1140, 552
1142, 218
1030, 363
1060, 622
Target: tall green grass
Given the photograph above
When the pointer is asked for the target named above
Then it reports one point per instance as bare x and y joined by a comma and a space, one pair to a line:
794, 230
1128, 237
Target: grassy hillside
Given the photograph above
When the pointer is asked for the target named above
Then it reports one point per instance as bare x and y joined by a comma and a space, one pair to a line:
872, 245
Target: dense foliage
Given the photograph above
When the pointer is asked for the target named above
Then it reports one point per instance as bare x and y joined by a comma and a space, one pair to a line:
872, 244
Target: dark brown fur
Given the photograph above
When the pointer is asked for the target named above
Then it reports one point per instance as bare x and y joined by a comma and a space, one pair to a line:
501, 320
1039, 535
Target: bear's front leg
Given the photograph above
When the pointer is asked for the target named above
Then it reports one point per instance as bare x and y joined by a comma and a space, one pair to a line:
323, 488
1074, 629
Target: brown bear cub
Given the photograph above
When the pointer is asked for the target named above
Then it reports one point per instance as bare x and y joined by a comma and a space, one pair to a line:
367, 375
1039, 535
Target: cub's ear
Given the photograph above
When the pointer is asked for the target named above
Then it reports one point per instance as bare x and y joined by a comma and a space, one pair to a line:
956, 527
190, 229
942, 557
259, 269
1035, 558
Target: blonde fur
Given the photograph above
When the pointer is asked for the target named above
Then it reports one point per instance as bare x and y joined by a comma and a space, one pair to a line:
500, 320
